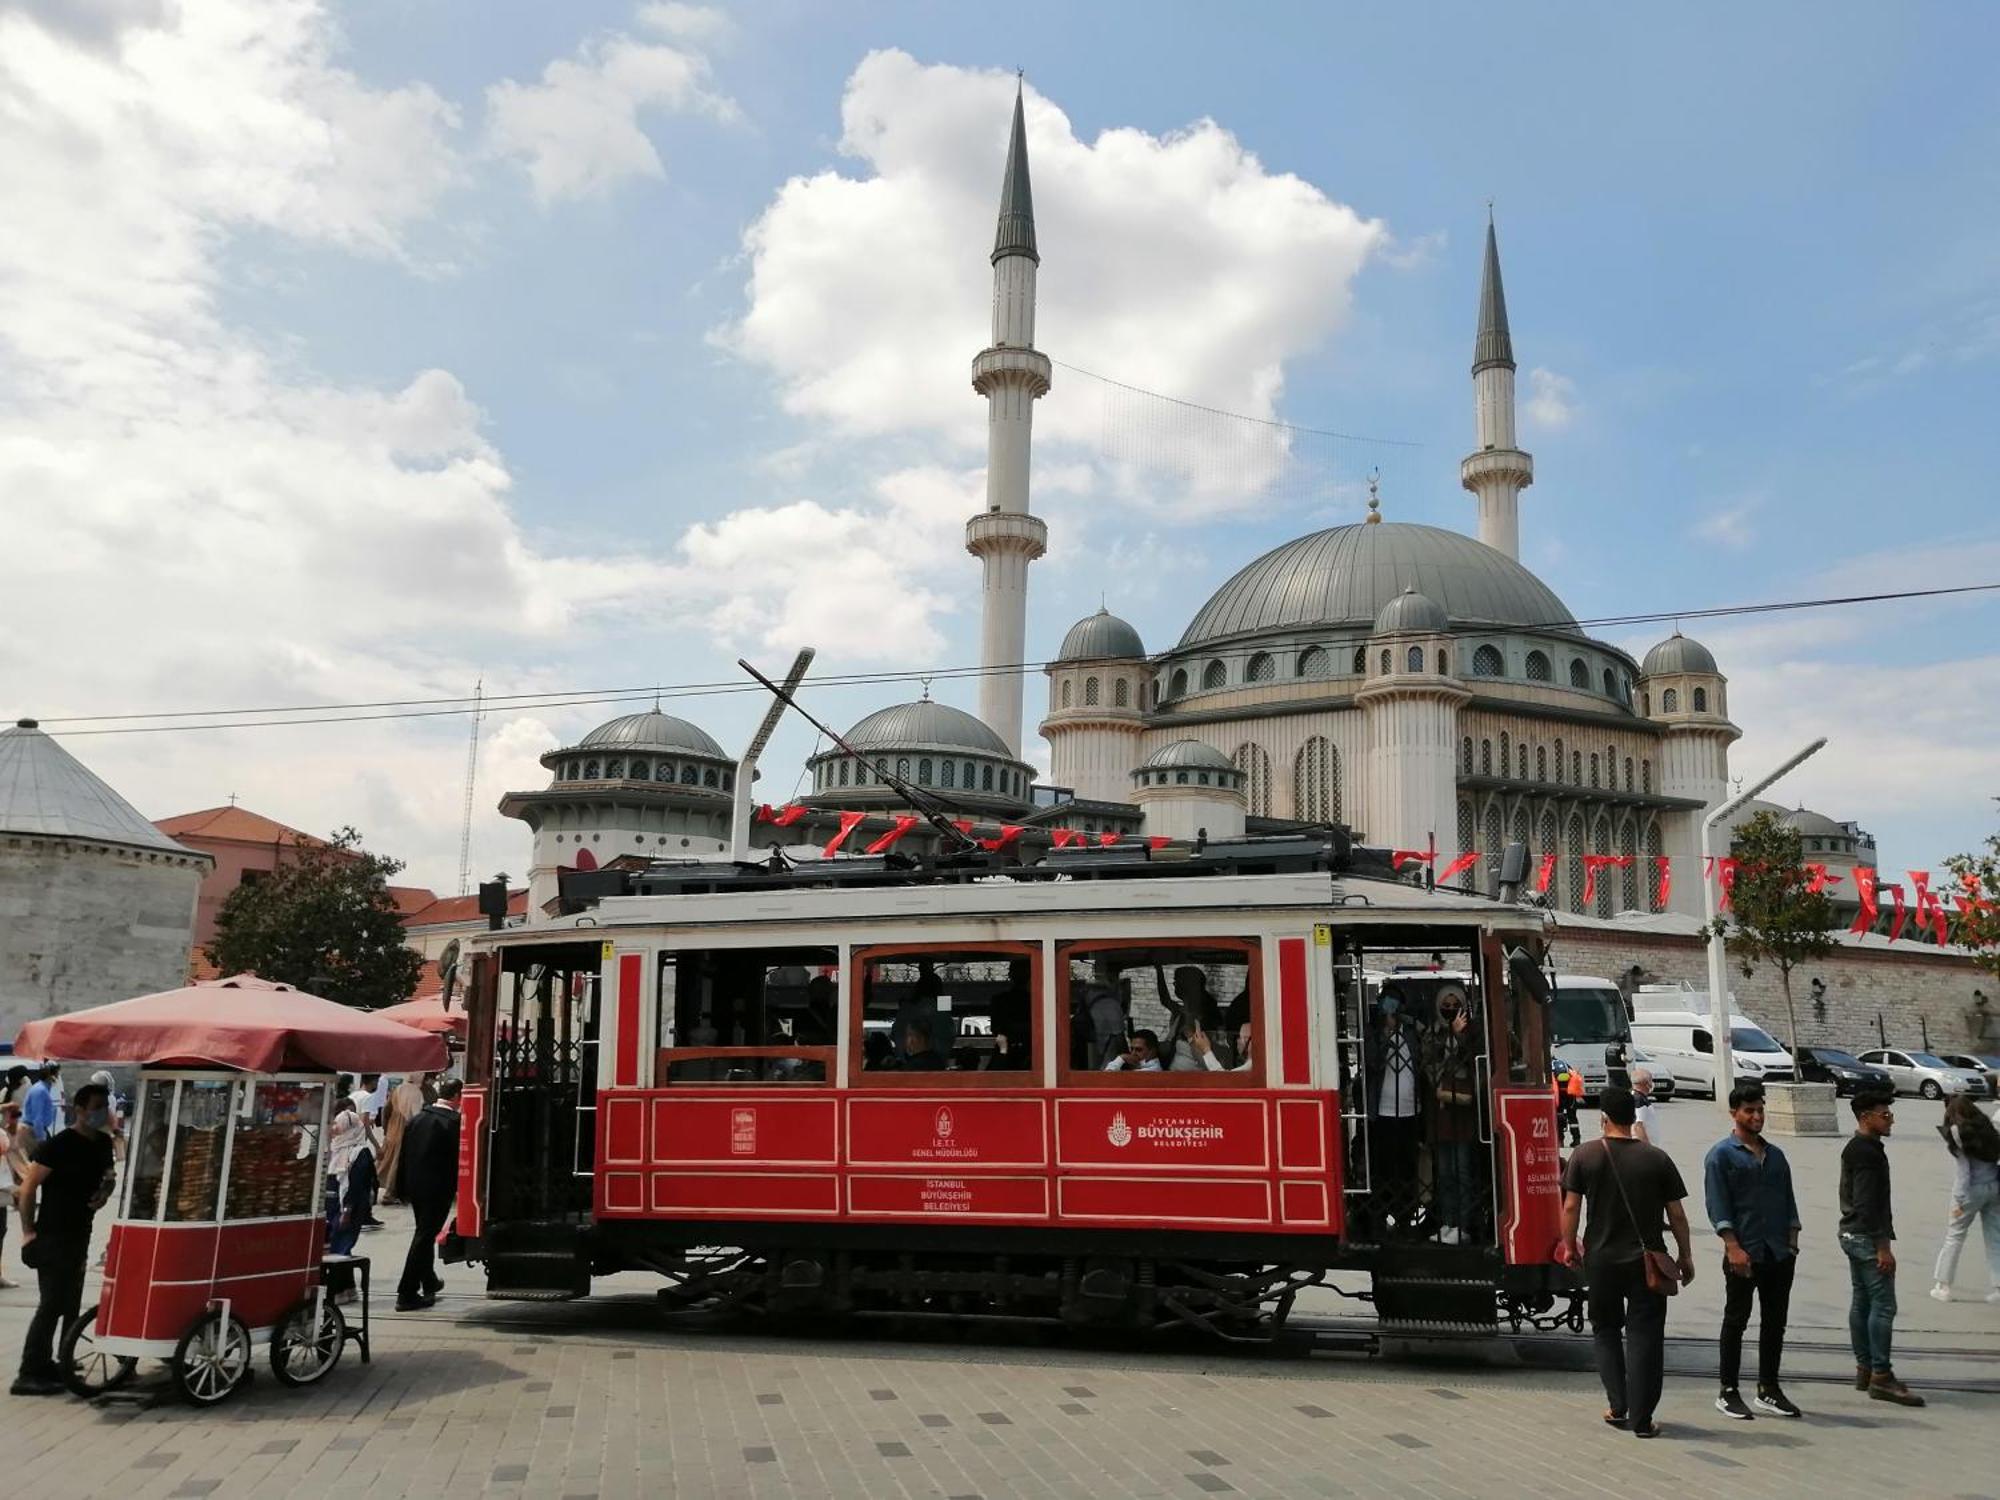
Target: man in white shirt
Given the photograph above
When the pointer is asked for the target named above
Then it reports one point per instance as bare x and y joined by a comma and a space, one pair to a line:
1646, 1126
1143, 1056
1393, 1129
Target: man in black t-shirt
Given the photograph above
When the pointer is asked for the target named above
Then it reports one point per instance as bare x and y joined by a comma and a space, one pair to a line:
69, 1178
1630, 1187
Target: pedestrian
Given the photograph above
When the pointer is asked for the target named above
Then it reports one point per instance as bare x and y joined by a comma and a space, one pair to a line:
1975, 1192
427, 1180
1867, 1236
405, 1100
1451, 1068
1646, 1122
1568, 1084
366, 1169
68, 1179
1747, 1186
14, 1141
1630, 1188
40, 1109
1395, 1127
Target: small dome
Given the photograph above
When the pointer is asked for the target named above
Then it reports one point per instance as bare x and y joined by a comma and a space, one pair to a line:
652, 731
1678, 653
1815, 825
1411, 610
1187, 755
1101, 637
925, 726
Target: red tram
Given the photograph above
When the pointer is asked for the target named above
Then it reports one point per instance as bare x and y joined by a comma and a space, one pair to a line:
873, 1086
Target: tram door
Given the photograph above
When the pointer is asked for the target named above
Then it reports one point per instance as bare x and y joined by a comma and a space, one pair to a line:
544, 1086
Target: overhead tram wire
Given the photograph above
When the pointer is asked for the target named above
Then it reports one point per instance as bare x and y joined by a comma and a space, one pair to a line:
429, 708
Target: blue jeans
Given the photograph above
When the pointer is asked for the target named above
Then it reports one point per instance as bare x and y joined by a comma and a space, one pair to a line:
1871, 1315
1457, 1193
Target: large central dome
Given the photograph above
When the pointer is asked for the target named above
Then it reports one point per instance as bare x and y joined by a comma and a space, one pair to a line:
1344, 576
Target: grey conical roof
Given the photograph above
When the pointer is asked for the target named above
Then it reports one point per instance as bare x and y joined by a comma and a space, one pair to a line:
1492, 345
45, 790
1016, 235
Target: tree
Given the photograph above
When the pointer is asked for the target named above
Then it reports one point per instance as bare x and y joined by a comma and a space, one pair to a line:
1975, 923
1773, 917
324, 921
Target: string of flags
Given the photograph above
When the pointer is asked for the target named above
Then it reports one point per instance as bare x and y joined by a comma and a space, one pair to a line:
902, 823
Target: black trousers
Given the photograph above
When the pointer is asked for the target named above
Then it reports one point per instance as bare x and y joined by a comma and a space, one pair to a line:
420, 1265
59, 1279
1628, 1324
1770, 1282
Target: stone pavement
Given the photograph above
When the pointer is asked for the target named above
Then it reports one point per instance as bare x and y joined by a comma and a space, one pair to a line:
603, 1399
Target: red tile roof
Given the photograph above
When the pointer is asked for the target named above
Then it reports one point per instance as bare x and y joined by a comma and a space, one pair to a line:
461, 909
236, 824
411, 899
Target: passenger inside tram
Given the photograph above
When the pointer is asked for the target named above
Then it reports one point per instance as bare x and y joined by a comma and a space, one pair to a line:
1118, 994
975, 1008
1142, 1056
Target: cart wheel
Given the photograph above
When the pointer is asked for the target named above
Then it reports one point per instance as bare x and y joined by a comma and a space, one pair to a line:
213, 1359
303, 1349
88, 1370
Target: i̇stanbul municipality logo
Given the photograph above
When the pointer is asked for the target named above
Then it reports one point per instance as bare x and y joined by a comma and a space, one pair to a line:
1119, 1133
944, 1124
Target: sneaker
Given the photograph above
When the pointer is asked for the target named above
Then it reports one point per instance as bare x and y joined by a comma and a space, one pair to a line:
1941, 1293
6, 1285
1730, 1404
1886, 1387
1773, 1402
408, 1304
1449, 1236
36, 1385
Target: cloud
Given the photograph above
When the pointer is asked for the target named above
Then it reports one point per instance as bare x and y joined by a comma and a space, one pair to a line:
702, 25
1730, 526
577, 131
1551, 399
1178, 262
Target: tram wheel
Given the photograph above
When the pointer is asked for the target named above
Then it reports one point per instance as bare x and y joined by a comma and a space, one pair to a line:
306, 1344
213, 1360
86, 1369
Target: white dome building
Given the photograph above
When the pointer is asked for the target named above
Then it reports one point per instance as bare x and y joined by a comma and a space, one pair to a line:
1189, 790
931, 745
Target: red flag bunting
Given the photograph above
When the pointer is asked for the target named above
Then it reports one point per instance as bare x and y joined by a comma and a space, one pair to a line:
1402, 857
1930, 911
1458, 866
1106, 840
1819, 879
780, 817
1592, 863
1725, 869
1664, 869
1898, 915
849, 821
1546, 875
1158, 841
904, 823
1009, 832
963, 825
1864, 891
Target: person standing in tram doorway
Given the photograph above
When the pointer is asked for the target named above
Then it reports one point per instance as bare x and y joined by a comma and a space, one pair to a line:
68, 1179
1747, 1186
427, 1180
1629, 1187
1451, 1068
1394, 1123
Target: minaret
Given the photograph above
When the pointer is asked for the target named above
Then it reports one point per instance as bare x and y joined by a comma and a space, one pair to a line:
1498, 471
1010, 375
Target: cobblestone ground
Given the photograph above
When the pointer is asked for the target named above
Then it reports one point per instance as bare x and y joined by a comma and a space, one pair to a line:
601, 1399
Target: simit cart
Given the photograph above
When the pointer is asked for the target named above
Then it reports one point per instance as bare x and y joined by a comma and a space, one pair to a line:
216, 1246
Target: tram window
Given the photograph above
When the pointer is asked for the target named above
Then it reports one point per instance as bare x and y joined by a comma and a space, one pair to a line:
272, 1159
1193, 1004
936, 1013
748, 1015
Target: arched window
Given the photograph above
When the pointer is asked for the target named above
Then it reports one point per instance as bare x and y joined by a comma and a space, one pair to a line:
1415, 660
1180, 778
1541, 762
882, 768
1646, 705
1177, 684
903, 767
1486, 757
1579, 674
1670, 702
614, 770
1065, 695
1201, 777
663, 771
1316, 781
1653, 852
969, 773
729, 781
1360, 660
1628, 773
861, 773
1465, 756
948, 773
1576, 767
709, 777
844, 765
1214, 675
1312, 662
1121, 693
1263, 667
1468, 834
1538, 666
1506, 751
1559, 760
590, 769
1444, 664
1385, 663
986, 778
924, 771
1701, 700
1521, 761
1255, 764
1090, 692
1487, 871
1646, 777
1487, 662
1593, 768
1573, 847
1610, 684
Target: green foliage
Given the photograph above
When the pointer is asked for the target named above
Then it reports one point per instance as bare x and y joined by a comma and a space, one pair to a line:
324, 921
1975, 923
1773, 918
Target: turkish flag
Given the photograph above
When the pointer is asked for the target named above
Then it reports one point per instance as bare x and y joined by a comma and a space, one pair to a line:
849, 821
1458, 866
1546, 875
1725, 871
1158, 841
1930, 911
1403, 857
1864, 891
904, 823
1819, 879
1009, 832
1665, 888
1897, 915
1592, 863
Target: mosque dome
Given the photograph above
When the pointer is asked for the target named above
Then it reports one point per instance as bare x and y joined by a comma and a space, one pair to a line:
1811, 824
1347, 575
1187, 755
1099, 637
925, 725
1410, 611
652, 730
1678, 653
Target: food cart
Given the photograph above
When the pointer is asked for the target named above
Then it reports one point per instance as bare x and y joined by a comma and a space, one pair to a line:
217, 1240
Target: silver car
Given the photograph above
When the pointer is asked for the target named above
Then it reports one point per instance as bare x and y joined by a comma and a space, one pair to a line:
1924, 1073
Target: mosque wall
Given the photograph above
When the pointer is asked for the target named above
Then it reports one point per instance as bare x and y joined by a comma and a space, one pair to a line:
87, 924
1305, 765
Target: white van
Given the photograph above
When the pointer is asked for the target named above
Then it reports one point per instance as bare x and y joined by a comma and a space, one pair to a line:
1671, 1024
1588, 1029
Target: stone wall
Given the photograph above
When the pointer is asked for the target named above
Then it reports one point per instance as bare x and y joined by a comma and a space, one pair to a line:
85, 924
1909, 987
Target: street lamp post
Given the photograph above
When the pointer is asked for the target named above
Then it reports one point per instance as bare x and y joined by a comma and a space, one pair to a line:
1718, 958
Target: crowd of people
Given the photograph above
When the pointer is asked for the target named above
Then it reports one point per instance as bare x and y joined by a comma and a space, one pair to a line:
1423, 1097
1635, 1199
392, 1145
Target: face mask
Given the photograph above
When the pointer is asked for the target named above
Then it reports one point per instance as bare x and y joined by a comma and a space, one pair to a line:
1390, 1005
97, 1119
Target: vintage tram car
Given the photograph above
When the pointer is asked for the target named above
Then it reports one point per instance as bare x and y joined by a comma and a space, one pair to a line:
912, 1087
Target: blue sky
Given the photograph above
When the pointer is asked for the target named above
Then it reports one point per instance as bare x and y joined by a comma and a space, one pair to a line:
434, 328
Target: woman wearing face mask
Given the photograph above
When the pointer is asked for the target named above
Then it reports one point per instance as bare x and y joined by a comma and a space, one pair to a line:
1449, 1067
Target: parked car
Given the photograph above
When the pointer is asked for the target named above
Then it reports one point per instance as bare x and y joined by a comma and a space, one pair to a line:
1843, 1070
1988, 1068
1924, 1073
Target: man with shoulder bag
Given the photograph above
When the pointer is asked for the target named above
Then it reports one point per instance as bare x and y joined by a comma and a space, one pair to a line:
1631, 1188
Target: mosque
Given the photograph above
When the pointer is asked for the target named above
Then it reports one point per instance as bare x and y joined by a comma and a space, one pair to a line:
1415, 683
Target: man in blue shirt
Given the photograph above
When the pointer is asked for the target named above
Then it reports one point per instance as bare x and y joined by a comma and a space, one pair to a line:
1747, 1185
39, 1109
